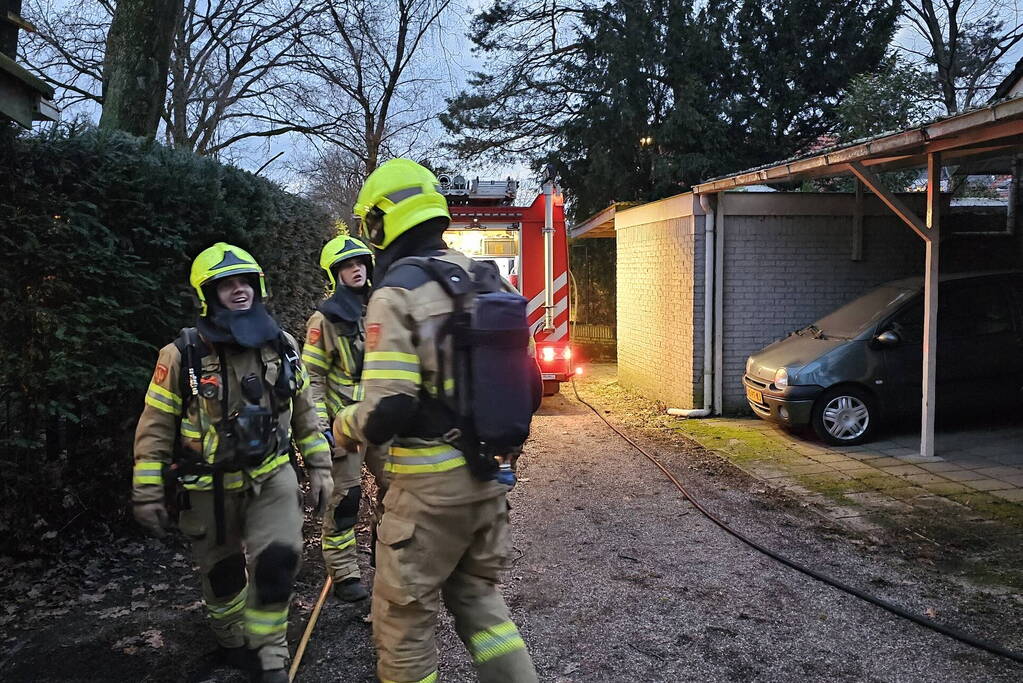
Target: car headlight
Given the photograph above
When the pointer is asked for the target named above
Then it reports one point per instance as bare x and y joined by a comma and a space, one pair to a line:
749, 364
781, 378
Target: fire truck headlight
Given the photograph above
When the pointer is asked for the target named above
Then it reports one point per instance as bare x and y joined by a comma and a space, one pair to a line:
547, 354
567, 355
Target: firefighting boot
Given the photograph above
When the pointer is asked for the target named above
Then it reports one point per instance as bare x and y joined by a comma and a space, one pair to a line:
274, 676
237, 658
350, 590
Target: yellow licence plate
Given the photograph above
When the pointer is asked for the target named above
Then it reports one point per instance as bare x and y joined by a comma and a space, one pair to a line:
751, 394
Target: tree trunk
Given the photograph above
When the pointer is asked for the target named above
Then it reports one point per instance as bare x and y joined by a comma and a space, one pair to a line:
135, 67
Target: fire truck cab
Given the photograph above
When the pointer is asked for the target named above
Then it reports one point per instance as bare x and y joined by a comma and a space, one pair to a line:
529, 244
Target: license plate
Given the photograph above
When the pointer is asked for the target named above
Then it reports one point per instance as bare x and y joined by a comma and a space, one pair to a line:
754, 395
548, 375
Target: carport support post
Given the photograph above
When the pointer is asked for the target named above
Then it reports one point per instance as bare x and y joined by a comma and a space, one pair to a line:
932, 248
930, 232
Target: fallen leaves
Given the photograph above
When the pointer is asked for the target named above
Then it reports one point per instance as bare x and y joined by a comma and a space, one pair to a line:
130, 645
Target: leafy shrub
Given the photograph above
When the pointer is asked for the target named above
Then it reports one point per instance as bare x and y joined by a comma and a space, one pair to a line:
98, 231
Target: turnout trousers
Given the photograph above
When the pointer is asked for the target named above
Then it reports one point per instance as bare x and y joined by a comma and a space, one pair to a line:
426, 553
247, 581
338, 533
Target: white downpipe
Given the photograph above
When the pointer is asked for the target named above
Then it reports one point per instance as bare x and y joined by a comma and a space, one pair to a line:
548, 255
708, 313
719, 305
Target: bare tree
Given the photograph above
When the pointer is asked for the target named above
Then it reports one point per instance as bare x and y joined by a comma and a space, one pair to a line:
233, 76
333, 178
967, 44
67, 49
371, 60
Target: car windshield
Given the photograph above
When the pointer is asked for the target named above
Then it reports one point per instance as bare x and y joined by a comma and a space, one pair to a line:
851, 319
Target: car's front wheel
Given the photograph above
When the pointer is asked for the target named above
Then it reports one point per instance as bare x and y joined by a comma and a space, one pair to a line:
845, 416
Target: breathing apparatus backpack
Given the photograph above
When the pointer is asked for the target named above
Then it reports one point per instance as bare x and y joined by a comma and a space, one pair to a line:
495, 379
248, 431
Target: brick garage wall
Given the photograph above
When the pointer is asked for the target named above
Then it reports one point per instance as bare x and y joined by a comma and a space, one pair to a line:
655, 312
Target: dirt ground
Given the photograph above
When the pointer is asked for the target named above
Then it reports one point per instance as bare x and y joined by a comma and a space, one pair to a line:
613, 577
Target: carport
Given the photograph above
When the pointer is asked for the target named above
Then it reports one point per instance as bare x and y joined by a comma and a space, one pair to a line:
983, 138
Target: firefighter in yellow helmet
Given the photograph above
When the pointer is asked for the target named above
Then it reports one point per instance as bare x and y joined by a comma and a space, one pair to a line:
333, 353
444, 532
225, 401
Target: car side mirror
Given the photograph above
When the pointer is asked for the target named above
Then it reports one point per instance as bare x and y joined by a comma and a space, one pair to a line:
888, 338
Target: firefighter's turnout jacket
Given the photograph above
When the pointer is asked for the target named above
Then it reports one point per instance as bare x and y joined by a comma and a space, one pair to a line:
333, 354
261, 514
442, 529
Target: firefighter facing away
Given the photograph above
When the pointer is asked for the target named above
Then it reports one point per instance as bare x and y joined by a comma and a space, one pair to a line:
225, 401
333, 354
444, 530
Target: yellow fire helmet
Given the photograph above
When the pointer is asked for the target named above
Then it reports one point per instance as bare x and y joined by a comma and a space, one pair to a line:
342, 248
220, 261
399, 195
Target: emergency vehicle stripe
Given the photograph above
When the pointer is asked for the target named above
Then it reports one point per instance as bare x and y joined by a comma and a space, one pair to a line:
339, 541
233, 606
163, 399
313, 356
495, 641
264, 623
432, 678
148, 472
313, 444
537, 300
425, 459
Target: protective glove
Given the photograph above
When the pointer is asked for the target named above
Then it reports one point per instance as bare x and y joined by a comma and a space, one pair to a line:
152, 517
321, 486
329, 436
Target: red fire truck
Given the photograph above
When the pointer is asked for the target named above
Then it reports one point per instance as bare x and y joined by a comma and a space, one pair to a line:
530, 246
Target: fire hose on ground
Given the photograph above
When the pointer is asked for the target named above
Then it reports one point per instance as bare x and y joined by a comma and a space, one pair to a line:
954, 633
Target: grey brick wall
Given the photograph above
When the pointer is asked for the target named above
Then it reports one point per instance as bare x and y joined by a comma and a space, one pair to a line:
784, 272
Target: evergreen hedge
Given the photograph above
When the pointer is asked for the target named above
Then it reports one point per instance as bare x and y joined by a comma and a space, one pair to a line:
97, 234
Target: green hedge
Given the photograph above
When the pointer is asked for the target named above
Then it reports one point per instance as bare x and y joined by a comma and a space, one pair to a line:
98, 231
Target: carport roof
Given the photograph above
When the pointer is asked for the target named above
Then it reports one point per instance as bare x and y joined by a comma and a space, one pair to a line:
600, 224
992, 130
